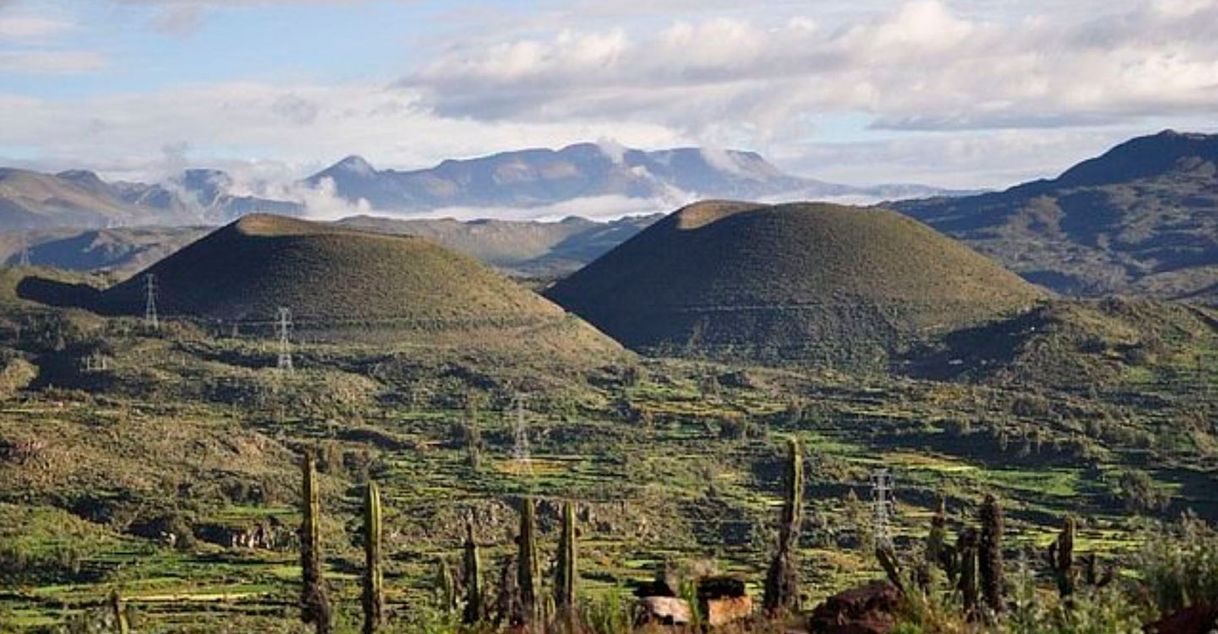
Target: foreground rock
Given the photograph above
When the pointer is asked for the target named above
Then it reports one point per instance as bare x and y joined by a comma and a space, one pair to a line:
866, 610
1196, 619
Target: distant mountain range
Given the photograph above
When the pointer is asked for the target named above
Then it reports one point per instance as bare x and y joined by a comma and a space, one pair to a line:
81, 199
521, 179
520, 248
1142, 219
538, 177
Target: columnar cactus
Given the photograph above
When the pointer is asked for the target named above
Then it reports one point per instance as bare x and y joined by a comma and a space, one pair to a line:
527, 564
936, 541
966, 548
314, 604
118, 612
447, 586
374, 579
473, 613
1061, 559
782, 580
564, 586
990, 554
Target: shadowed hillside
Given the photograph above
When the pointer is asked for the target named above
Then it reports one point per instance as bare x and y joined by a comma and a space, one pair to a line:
803, 281
1142, 218
339, 279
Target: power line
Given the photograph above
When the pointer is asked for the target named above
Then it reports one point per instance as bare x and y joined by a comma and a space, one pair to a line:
150, 317
285, 344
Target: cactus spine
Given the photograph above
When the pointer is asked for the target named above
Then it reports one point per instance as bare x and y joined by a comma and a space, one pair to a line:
374, 578
990, 556
315, 606
473, 578
782, 580
526, 563
564, 586
966, 547
118, 611
1061, 559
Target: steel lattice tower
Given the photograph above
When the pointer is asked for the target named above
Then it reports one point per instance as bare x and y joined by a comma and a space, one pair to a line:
284, 327
520, 448
882, 503
150, 316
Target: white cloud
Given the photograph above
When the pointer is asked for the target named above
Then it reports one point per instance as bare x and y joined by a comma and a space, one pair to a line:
303, 127
55, 62
19, 27
921, 65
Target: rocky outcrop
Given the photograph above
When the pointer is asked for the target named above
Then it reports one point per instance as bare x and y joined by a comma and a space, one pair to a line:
865, 610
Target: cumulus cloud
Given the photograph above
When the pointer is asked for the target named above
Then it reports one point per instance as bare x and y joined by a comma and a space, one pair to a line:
920, 66
123, 134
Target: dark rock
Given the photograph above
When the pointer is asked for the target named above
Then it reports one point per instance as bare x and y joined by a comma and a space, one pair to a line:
865, 610
1195, 619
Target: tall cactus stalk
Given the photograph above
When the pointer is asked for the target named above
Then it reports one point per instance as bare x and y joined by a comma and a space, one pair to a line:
314, 604
1061, 560
118, 612
564, 586
966, 548
374, 578
782, 579
527, 565
447, 586
990, 554
473, 613
936, 541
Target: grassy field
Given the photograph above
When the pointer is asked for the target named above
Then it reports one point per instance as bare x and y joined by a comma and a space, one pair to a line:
150, 476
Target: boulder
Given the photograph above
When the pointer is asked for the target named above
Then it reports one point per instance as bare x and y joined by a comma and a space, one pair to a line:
1195, 619
865, 610
663, 611
728, 610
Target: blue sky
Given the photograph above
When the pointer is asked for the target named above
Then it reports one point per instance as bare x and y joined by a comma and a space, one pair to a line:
979, 93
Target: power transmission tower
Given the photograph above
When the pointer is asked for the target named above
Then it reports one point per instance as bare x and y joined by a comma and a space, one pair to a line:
24, 260
150, 317
882, 503
520, 448
285, 344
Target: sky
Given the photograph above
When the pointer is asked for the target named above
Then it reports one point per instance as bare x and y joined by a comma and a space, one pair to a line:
953, 93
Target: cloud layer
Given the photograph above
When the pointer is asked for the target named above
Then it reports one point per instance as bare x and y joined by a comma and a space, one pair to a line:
962, 94
921, 66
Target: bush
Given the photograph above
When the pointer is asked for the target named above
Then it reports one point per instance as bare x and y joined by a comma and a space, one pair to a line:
1178, 567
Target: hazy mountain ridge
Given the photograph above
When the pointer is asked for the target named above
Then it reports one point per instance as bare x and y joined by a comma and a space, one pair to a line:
1142, 218
536, 177
81, 199
519, 248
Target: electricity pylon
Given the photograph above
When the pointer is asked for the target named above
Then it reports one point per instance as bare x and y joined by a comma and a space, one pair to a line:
150, 317
520, 448
23, 260
284, 328
881, 506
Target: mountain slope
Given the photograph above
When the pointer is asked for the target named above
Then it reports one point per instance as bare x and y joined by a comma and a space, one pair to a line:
31, 200
1142, 218
81, 199
527, 248
536, 177
795, 282
349, 283
121, 251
